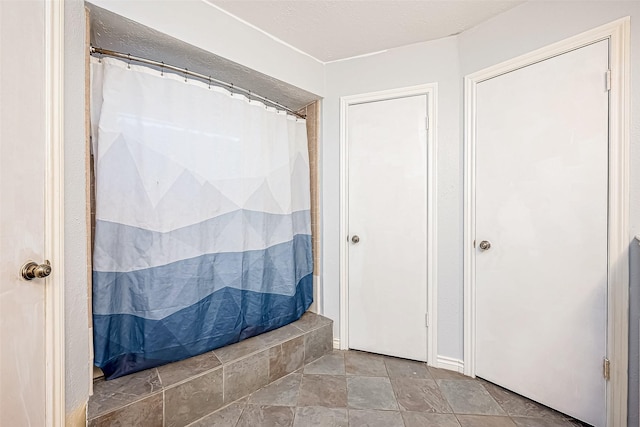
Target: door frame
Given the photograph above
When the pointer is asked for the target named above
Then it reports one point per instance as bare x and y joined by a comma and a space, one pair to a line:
55, 413
617, 32
431, 91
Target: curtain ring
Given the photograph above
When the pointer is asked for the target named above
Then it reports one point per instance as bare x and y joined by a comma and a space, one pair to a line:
185, 75
209, 82
129, 63
162, 69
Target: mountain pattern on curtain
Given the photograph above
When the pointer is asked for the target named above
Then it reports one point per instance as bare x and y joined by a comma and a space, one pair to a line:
203, 233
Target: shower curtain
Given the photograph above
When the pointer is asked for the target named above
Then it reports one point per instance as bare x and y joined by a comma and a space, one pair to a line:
202, 234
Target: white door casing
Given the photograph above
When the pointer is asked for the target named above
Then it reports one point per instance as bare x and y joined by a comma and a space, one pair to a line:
541, 201
31, 155
616, 36
387, 286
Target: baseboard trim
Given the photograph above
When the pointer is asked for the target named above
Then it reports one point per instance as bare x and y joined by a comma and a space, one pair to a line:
450, 364
443, 362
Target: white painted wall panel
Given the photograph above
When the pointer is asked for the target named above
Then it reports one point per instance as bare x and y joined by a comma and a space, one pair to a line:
446, 61
77, 375
421, 63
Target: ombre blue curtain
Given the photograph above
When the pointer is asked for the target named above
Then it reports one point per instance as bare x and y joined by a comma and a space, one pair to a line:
203, 232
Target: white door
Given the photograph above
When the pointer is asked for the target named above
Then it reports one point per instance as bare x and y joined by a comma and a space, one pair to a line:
387, 161
541, 203
22, 183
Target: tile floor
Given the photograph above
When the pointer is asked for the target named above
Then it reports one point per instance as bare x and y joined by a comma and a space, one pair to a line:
360, 389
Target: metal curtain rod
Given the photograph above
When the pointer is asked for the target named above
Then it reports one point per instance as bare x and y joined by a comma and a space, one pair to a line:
231, 87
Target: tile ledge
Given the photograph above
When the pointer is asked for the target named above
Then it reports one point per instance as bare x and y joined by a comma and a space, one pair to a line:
191, 378
265, 349
119, 408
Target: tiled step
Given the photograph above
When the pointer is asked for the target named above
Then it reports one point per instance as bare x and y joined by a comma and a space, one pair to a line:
179, 393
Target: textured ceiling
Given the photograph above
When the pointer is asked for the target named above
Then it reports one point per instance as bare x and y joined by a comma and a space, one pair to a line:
338, 29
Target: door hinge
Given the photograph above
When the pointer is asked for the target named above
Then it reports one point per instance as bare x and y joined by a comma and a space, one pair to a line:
606, 369
608, 79
426, 319
426, 122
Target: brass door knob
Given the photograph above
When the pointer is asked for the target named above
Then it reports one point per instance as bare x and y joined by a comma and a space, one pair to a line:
31, 270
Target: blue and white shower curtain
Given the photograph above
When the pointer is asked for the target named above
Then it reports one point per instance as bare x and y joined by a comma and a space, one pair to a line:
203, 234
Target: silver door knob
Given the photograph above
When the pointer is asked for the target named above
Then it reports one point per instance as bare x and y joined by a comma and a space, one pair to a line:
31, 270
355, 239
485, 245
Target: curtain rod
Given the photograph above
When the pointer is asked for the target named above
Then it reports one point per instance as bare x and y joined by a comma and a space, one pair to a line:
208, 79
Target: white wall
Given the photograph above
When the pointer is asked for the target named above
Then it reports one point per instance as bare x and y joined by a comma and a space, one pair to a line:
533, 25
446, 61
208, 28
515, 32
75, 234
420, 63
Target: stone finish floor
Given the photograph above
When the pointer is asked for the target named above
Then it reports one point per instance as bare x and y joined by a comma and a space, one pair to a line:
352, 388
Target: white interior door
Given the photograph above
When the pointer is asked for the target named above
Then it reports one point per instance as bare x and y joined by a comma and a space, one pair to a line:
541, 202
22, 183
387, 163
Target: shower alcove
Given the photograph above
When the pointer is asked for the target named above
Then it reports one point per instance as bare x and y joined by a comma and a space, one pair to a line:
186, 391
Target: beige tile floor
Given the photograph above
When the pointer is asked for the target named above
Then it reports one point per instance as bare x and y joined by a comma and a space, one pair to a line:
359, 389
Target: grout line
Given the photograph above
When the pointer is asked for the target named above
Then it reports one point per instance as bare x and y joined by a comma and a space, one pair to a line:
191, 378
304, 351
164, 409
239, 417
302, 331
393, 389
386, 368
298, 396
317, 327
159, 377
279, 346
224, 384
217, 410
253, 353
456, 417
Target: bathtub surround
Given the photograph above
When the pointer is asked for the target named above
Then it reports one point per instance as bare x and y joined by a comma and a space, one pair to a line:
203, 228
180, 393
